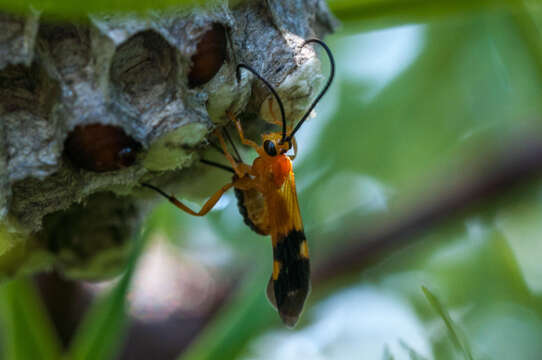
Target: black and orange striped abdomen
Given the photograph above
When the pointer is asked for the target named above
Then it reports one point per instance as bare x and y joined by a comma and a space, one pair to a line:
251, 204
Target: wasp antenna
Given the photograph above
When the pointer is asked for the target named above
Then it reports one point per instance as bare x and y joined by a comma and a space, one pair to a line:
217, 165
281, 107
324, 90
158, 190
238, 159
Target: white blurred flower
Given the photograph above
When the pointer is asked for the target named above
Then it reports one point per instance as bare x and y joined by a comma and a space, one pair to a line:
359, 323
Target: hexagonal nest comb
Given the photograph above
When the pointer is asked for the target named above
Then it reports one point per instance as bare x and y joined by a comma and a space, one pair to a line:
88, 111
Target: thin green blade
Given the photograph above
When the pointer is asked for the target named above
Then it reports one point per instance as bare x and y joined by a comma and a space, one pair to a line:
28, 332
102, 330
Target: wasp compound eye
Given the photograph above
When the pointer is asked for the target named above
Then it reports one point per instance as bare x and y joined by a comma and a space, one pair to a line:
270, 148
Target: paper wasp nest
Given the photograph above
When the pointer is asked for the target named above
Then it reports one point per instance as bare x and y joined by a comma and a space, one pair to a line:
89, 110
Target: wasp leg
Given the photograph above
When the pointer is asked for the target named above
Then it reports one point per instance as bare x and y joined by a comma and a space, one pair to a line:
206, 207
240, 169
244, 140
227, 154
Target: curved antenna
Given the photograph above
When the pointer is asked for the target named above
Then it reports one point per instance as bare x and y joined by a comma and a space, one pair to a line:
324, 90
281, 107
218, 165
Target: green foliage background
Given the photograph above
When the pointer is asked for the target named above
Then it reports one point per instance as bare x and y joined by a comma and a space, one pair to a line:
475, 85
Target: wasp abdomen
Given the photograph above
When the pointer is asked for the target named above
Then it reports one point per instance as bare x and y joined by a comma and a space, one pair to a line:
252, 207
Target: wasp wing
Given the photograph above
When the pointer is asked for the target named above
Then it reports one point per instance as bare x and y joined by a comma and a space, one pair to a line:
290, 282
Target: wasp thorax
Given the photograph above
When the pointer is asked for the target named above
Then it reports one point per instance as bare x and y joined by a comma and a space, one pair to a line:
281, 167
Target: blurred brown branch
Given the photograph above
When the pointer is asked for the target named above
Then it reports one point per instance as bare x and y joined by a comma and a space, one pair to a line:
500, 173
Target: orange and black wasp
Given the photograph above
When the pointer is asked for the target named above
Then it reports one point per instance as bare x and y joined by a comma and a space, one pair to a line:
267, 200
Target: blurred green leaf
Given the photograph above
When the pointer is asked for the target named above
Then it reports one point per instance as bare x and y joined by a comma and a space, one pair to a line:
457, 338
246, 316
71, 9
386, 355
412, 354
470, 87
28, 331
406, 11
102, 330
